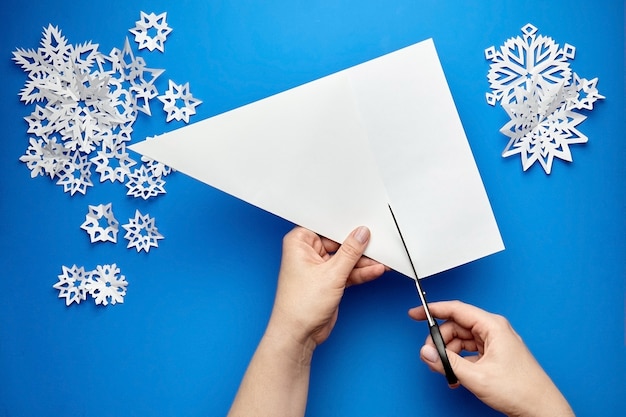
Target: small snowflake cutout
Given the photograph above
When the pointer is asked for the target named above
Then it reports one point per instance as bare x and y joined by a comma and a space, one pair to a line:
75, 175
178, 102
106, 285
144, 183
72, 284
151, 31
113, 162
93, 224
141, 232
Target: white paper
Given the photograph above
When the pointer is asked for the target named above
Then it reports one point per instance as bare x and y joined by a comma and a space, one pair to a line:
334, 153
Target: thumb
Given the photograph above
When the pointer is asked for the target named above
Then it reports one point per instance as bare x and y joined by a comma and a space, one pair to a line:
460, 366
351, 250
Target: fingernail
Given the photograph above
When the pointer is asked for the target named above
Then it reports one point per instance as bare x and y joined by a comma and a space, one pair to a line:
430, 354
362, 234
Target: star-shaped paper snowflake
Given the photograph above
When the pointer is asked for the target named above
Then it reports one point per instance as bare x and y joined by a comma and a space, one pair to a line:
45, 157
106, 285
178, 102
75, 174
144, 183
141, 232
532, 80
94, 220
113, 163
151, 31
72, 284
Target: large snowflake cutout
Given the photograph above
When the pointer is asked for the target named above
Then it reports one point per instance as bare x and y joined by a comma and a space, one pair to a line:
106, 285
178, 102
151, 31
101, 224
532, 80
141, 232
72, 284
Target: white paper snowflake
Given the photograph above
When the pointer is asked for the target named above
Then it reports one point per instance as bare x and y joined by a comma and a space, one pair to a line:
85, 103
45, 157
141, 232
144, 183
178, 102
151, 31
532, 80
106, 285
101, 224
72, 284
113, 162
75, 174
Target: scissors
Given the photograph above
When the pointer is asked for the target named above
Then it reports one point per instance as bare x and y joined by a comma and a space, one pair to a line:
432, 322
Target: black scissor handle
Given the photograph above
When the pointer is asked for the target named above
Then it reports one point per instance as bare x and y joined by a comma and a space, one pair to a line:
441, 349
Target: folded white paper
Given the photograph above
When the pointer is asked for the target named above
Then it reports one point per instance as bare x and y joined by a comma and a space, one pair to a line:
334, 153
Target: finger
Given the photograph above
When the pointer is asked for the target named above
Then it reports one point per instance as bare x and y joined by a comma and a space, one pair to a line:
360, 275
464, 314
350, 251
301, 235
462, 367
365, 261
452, 330
330, 245
457, 344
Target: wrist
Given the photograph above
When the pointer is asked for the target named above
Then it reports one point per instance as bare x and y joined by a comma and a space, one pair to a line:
290, 341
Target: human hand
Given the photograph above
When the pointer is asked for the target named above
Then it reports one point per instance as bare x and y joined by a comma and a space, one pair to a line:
503, 374
313, 275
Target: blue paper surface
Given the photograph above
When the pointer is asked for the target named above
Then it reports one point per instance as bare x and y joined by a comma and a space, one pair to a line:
197, 305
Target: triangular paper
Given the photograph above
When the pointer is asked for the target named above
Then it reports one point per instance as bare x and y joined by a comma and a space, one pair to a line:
334, 153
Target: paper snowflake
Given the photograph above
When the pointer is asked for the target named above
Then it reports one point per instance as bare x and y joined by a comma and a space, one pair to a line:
93, 224
151, 31
75, 174
72, 284
85, 102
531, 78
106, 285
144, 183
45, 157
113, 162
178, 102
141, 232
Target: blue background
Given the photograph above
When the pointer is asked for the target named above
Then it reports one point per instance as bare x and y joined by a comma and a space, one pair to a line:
197, 305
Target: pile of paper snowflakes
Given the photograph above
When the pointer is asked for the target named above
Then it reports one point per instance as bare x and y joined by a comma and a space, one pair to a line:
85, 105
531, 78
